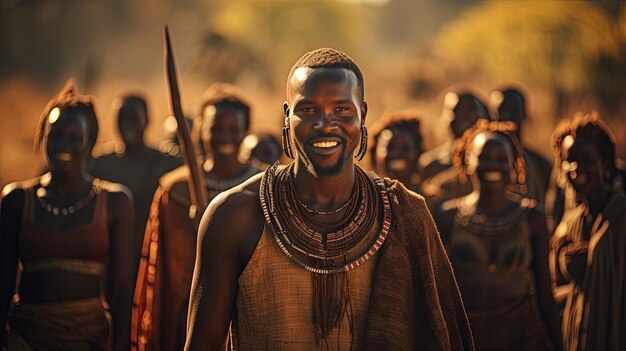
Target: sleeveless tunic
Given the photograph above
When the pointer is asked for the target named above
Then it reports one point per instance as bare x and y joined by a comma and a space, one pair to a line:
68, 325
274, 304
494, 273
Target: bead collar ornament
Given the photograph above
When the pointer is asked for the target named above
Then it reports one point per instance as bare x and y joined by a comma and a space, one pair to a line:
64, 211
312, 250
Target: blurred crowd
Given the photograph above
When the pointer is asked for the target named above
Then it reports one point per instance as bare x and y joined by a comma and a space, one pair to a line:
535, 245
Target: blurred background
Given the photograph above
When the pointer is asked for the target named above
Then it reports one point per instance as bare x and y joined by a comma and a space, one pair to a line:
569, 55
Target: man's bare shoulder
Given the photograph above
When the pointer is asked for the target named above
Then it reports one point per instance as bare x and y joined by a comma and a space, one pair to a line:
234, 218
241, 197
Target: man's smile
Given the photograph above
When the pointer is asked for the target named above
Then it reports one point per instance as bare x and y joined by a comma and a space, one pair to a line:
326, 145
492, 176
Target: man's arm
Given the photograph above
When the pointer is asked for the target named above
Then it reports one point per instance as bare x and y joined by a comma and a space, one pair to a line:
229, 231
121, 254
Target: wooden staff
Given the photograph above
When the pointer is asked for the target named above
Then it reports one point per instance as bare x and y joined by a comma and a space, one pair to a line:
196, 186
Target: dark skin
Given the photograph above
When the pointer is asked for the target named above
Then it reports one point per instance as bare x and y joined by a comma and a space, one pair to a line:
397, 154
266, 150
512, 109
223, 131
321, 101
132, 122
466, 113
587, 167
66, 148
489, 165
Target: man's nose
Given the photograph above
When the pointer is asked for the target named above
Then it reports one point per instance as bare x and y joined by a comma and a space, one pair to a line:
325, 121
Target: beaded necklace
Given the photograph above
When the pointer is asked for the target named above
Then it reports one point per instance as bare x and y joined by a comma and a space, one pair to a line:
225, 184
315, 251
480, 223
348, 205
64, 211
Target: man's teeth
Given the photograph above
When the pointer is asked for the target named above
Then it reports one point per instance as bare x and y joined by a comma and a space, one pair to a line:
492, 176
226, 149
64, 156
325, 144
398, 165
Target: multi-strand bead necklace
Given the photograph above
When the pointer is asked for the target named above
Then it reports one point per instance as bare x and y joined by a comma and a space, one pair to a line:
323, 253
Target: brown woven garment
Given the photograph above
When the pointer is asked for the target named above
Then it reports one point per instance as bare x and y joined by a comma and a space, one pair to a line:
415, 302
274, 306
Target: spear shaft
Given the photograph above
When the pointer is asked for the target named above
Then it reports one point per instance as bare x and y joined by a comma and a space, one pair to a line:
197, 191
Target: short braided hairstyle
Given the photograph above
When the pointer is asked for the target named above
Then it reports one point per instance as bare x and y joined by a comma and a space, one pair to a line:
328, 58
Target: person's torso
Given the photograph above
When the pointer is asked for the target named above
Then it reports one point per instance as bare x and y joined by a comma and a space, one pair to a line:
274, 304
491, 257
63, 263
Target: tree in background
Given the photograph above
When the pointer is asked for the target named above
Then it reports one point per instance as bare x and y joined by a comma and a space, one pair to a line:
574, 49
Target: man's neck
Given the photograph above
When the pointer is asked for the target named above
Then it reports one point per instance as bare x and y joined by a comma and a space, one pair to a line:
135, 149
324, 191
596, 201
225, 167
492, 202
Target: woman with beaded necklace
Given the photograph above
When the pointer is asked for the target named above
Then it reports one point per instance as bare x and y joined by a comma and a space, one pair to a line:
588, 248
72, 236
497, 243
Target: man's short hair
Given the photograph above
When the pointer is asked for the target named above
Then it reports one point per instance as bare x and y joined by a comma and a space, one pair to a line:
224, 95
328, 58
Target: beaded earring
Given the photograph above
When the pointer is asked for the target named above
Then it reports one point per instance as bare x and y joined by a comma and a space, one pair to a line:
287, 143
363, 146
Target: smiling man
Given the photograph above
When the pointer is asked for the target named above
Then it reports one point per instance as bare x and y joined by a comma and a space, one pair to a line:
320, 254
166, 267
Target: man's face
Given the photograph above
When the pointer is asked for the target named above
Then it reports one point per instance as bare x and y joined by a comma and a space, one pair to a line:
511, 109
325, 114
465, 115
584, 166
223, 129
132, 123
397, 153
266, 151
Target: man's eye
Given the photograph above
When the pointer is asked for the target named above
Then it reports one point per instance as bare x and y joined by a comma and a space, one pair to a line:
307, 109
342, 109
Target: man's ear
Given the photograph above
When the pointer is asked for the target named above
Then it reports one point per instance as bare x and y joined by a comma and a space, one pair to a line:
286, 109
363, 112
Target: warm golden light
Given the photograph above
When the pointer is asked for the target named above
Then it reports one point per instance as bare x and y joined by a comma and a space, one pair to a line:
300, 73
54, 115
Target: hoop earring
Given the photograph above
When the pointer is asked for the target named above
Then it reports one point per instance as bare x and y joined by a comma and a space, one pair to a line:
363, 145
287, 143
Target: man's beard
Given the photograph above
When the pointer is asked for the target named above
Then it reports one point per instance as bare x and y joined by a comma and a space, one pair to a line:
315, 169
